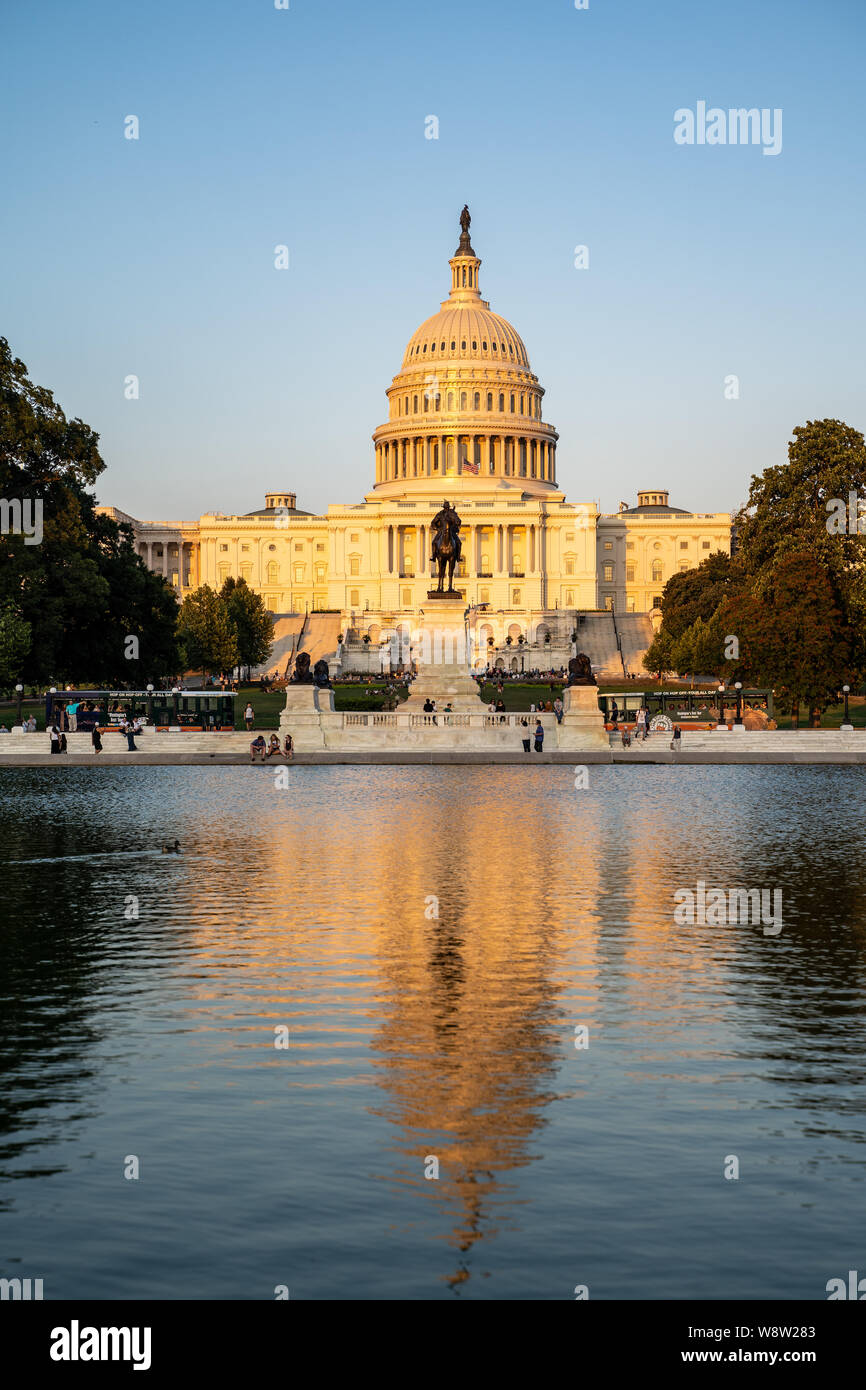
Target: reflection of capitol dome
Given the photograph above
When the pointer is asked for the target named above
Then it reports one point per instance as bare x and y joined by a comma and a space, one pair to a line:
465, 402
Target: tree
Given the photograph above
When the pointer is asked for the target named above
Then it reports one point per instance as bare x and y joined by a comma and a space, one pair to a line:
15, 638
792, 508
253, 623
657, 659
207, 635
793, 636
74, 577
697, 593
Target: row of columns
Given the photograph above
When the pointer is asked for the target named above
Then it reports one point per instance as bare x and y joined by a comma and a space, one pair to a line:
184, 549
500, 455
504, 545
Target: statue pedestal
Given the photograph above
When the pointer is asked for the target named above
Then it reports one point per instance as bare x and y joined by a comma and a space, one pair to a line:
582, 724
442, 655
308, 714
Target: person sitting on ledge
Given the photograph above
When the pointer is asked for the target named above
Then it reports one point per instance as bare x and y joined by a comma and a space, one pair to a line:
273, 746
258, 745
289, 747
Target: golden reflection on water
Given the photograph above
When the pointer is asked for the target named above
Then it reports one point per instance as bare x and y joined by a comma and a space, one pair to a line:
469, 937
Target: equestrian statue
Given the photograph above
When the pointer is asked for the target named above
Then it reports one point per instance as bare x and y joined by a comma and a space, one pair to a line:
447, 547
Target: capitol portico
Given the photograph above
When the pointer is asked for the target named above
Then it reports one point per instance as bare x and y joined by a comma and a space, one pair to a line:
465, 422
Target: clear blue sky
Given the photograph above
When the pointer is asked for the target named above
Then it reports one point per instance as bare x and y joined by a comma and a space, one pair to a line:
306, 127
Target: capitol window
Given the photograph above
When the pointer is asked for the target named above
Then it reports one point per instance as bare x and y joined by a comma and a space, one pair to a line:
629, 545
569, 566
684, 545
515, 598
463, 345
273, 572
512, 403
299, 573
569, 598
453, 345
657, 570
244, 547
489, 400
501, 401
705, 545
629, 574
272, 547
477, 400
415, 405
222, 547
608, 574
299, 545
608, 545
354, 598
353, 536
320, 546
462, 400
493, 345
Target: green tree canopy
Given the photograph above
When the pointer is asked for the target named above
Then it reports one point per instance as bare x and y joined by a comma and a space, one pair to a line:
697, 593
15, 640
81, 587
793, 636
207, 635
658, 659
253, 623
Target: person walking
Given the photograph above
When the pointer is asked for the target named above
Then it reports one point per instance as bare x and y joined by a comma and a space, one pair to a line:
54, 735
130, 736
249, 717
96, 738
63, 747
524, 733
539, 736
675, 741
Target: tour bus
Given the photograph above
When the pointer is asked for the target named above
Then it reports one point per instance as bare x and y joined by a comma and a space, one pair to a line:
195, 711
691, 709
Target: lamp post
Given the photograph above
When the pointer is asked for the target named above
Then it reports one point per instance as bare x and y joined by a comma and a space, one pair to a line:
19, 691
738, 686
721, 724
150, 704
846, 722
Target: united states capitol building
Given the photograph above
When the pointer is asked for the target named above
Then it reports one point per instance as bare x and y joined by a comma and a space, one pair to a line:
465, 423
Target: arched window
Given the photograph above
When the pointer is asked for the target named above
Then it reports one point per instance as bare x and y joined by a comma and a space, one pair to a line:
462, 400
438, 400
657, 571
501, 398
477, 400
415, 405
489, 400
464, 275
512, 403
450, 400
406, 403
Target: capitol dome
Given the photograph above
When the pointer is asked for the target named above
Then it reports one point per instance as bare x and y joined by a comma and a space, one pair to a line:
465, 403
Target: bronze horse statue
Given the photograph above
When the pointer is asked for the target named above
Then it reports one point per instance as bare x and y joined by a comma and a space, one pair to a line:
447, 548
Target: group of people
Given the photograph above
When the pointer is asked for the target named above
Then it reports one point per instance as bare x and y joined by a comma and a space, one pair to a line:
526, 735
129, 728
271, 748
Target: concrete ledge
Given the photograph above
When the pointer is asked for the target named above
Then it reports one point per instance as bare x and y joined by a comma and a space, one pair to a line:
455, 757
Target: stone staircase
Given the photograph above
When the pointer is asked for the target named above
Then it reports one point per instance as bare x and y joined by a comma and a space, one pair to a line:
636, 634
314, 633
112, 742
596, 635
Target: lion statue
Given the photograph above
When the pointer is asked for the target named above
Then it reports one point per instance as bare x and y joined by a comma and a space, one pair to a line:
301, 674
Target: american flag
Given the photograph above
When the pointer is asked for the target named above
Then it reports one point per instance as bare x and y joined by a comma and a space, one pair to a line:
470, 467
